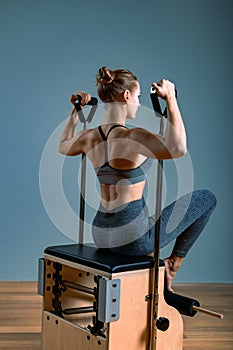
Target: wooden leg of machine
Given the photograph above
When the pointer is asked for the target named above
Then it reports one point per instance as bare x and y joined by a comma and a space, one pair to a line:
172, 338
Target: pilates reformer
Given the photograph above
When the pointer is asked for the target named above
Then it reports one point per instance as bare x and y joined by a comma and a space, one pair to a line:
95, 300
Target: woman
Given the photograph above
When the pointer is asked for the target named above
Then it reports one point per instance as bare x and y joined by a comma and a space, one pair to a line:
121, 158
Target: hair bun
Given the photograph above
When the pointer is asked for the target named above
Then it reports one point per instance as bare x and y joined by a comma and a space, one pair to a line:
105, 76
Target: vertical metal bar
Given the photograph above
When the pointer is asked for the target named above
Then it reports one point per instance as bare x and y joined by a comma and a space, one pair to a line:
158, 209
155, 296
84, 121
83, 171
82, 195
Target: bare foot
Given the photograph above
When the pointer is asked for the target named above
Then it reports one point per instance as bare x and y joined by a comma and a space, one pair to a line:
172, 265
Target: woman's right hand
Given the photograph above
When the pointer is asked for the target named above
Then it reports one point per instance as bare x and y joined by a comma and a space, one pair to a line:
164, 89
85, 98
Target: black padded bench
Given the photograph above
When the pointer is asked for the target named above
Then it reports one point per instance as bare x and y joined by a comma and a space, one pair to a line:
100, 259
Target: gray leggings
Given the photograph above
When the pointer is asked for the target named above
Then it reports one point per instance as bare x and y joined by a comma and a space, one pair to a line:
129, 230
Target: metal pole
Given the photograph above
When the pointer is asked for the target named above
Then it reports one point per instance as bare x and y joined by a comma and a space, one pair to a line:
82, 195
158, 210
78, 287
84, 121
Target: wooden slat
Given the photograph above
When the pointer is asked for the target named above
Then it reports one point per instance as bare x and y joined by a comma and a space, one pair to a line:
21, 314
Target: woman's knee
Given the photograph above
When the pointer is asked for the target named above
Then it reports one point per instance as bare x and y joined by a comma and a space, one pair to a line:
206, 197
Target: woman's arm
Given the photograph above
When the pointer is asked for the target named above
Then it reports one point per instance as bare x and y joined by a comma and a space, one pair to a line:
71, 144
173, 143
175, 135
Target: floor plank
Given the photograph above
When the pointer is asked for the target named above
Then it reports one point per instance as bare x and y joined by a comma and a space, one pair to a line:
203, 331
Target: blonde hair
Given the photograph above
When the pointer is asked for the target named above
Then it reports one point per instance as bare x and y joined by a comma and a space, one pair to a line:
111, 83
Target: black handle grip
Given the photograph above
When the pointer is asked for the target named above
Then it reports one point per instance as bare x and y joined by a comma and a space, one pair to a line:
93, 101
156, 105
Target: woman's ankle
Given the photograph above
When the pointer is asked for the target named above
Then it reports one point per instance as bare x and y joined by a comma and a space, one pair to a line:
175, 262
172, 265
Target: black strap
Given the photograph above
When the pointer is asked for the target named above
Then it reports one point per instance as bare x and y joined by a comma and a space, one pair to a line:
113, 127
102, 133
106, 137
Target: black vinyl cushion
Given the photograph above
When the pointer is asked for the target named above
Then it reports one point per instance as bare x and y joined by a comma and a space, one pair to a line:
100, 259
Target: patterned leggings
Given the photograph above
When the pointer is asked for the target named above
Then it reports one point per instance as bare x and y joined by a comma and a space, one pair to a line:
129, 230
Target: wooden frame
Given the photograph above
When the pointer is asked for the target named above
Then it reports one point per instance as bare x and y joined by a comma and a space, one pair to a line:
130, 332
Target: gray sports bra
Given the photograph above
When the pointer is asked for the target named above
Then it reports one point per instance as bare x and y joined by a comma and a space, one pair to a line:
111, 176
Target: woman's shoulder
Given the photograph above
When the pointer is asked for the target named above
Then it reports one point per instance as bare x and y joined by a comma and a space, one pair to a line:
138, 132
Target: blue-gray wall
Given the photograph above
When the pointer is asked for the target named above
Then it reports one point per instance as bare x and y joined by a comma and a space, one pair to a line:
51, 48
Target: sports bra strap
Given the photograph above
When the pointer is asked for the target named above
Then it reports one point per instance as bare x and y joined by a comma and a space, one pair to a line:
102, 133
113, 127
106, 137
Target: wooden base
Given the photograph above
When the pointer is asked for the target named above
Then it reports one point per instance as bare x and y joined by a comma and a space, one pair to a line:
130, 332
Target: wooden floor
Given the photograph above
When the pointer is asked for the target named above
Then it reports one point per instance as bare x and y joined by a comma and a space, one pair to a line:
20, 316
